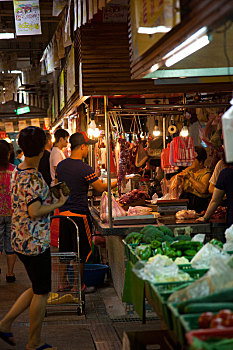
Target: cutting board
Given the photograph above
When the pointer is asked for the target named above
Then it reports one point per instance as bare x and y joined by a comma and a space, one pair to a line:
134, 220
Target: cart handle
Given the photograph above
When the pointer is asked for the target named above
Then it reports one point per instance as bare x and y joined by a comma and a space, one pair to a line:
64, 217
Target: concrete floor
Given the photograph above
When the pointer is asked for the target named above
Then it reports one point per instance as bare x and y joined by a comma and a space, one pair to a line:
101, 328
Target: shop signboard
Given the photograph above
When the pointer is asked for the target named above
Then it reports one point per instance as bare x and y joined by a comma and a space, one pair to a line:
9, 127
22, 124
22, 110
27, 17
70, 76
62, 90
35, 122
151, 16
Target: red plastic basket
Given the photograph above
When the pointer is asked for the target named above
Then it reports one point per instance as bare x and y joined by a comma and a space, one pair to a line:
205, 334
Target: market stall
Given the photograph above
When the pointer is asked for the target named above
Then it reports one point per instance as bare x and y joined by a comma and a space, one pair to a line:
191, 295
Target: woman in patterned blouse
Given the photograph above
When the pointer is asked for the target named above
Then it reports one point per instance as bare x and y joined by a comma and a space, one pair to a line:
31, 236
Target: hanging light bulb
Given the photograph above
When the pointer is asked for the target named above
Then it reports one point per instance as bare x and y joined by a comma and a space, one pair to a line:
96, 132
91, 128
156, 131
184, 131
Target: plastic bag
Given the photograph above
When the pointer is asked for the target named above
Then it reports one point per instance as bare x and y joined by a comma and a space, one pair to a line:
160, 269
165, 185
219, 276
117, 210
203, 258
154, 198
176, 187
228, 246
227, 127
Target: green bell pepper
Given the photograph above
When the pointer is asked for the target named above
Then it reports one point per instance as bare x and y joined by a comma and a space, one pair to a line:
155, 244
143, 251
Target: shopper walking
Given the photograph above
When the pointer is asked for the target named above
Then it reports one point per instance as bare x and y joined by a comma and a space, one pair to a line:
6, 170
44, 165
56, 156
31, 236
78, 176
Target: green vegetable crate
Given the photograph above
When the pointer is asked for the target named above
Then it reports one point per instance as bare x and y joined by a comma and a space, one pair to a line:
187, 323
130, 253
159, 293
176, 324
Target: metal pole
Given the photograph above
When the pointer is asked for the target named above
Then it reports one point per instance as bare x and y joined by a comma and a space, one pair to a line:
164, 131
108, 160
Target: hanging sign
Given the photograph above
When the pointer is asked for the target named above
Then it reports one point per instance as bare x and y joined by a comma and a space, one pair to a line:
67, 34
151, 15
58, 6
22, 124
62, 91
79, 13
75, 16
95, 7
9, 126
35, 122
2, 134
70, 79
90, 9
46, 123
27, 17
84, 19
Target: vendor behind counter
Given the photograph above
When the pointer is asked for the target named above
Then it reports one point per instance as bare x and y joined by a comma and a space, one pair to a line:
194, 181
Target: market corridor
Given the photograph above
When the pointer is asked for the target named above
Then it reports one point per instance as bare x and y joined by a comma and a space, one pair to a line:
101, 328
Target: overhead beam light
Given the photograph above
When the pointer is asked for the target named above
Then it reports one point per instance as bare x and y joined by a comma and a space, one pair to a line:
16, 71
153, 30
194, 43
7, 36
197, 45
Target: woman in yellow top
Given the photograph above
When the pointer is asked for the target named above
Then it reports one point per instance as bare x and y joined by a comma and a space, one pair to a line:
196, 182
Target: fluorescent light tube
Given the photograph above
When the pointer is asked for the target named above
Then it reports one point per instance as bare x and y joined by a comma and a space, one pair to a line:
154, 67
188, 50
16, 71
7, 36
188, 41
153, 30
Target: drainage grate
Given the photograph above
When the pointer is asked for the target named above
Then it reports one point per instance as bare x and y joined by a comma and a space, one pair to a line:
133, 319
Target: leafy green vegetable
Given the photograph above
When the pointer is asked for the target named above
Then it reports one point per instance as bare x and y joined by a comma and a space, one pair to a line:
134, 238
168, 238
151, 234
166, 230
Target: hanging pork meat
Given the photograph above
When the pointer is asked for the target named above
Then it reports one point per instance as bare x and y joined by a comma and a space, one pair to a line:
122, 165
141, 156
